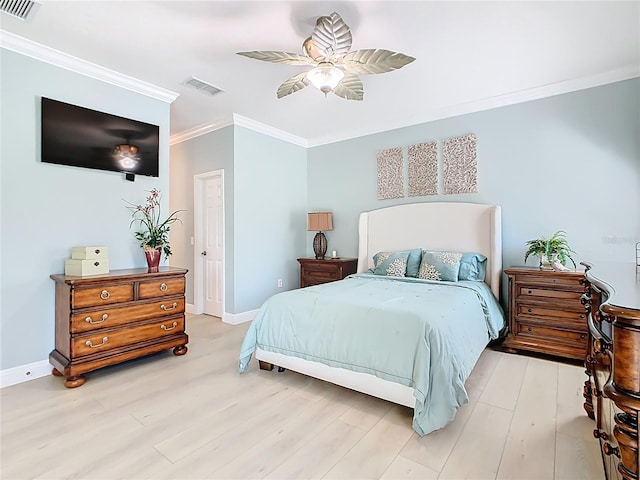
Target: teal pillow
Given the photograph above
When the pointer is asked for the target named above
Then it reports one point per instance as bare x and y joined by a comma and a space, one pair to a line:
473, 266
413, 262
440, 266
391, 264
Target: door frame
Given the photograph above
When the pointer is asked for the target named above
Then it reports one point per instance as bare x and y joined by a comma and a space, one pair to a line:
198, 228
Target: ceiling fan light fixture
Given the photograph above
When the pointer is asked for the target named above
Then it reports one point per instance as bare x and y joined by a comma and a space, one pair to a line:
325, 77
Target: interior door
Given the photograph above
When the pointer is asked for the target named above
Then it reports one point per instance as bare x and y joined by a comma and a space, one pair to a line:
211, 244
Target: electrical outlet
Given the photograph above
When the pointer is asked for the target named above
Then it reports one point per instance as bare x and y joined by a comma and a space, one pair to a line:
279, 283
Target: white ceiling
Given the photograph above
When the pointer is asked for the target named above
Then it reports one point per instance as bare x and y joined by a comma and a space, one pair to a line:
469, 55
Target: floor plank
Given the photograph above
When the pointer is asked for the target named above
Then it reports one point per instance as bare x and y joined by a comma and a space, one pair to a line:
196, 417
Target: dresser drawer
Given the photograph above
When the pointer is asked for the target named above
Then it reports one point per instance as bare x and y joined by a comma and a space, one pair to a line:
579, 339
113, 317
107, 340
103, 295
532, 291
161, 288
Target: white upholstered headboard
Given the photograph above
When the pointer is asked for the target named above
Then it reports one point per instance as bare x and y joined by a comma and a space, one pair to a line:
460, 227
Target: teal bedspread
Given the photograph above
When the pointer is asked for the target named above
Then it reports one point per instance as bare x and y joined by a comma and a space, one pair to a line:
419, 333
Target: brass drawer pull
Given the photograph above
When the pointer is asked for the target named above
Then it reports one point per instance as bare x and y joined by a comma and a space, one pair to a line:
163, 287
104, 295
90, 320
172, 307
173, 325
89, 343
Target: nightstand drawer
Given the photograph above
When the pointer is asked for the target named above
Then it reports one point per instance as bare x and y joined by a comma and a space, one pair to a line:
320, 272
533, 291
571, 314
552, 279
539, 331
315, 271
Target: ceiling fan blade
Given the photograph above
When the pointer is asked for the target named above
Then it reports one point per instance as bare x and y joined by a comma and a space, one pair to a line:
292, 85
373, 60
350, 87
332, 37
279, 57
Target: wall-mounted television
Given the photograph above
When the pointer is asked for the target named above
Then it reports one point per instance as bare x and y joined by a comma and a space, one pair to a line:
80, 137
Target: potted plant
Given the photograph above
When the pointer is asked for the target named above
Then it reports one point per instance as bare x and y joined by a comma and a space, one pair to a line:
553, 252
154, 236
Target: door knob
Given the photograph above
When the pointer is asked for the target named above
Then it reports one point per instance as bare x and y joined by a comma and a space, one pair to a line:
204, 253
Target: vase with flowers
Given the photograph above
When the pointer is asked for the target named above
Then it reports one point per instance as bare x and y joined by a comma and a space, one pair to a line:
154, 229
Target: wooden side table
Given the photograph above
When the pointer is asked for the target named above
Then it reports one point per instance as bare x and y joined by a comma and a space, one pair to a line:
315, 272
545, 313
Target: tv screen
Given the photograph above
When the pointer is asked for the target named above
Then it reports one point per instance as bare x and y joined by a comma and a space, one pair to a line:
81, 137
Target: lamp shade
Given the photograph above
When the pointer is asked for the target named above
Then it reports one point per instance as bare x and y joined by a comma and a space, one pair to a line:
319, 221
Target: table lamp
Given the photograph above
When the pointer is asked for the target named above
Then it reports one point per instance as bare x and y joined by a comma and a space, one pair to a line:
319, 222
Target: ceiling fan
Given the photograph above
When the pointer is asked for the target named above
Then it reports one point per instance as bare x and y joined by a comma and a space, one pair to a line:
335, 68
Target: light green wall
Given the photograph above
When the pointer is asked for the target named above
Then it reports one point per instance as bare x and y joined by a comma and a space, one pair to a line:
47, 209
569, 162
206, 153
270, 216
265, 200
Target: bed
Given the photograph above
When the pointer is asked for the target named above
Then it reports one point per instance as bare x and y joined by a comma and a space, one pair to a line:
412, 341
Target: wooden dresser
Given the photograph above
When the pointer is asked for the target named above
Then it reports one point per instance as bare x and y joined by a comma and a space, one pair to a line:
545, 312
612, 389
106, 319
314, 271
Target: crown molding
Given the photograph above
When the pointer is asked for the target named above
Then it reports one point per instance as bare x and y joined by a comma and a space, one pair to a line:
268, 130
560, 88
240, 121
49, 55
199, 130
545, 91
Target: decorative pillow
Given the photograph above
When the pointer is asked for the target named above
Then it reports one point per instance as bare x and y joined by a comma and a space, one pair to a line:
440, 265
413, 262
473, 266
391, 264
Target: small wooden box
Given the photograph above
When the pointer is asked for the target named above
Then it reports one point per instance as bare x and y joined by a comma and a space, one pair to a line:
83, 268
87, 253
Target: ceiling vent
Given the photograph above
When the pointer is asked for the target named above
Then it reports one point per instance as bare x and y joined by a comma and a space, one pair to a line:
201, 86
22, 9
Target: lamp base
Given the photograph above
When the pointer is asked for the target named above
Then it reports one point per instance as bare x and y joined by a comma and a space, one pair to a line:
320, 245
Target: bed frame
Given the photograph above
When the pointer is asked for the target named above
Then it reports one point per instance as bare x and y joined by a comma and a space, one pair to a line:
462, 227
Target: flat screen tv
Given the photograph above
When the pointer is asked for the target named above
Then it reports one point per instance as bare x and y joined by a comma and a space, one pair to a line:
80, 137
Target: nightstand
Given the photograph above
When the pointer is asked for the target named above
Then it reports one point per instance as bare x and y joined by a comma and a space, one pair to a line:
314, 271
545, 313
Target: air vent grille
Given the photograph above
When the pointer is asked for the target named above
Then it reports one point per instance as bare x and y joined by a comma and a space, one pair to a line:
202, 86
22, 9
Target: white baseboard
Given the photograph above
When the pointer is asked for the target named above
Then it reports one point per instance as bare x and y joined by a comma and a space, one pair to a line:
238, 318
191, 308
24, 373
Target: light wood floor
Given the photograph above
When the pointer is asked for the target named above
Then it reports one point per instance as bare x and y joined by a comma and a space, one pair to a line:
195, 417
